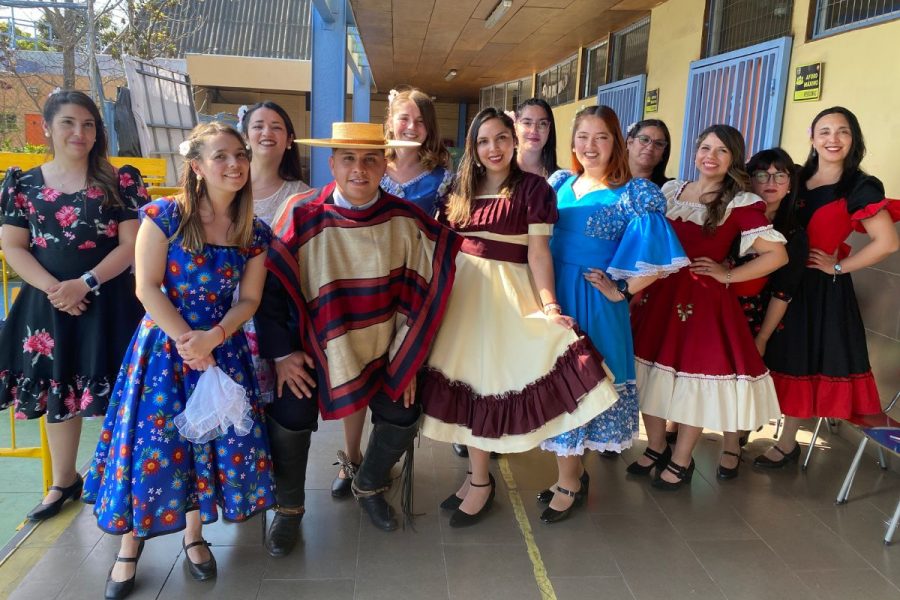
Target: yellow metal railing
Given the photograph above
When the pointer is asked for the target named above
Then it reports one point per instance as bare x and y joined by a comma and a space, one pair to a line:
41, 452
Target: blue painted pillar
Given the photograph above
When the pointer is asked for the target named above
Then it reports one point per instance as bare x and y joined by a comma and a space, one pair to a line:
361, 95
329, 79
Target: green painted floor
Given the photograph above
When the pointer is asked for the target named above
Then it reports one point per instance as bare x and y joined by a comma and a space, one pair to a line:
20, 478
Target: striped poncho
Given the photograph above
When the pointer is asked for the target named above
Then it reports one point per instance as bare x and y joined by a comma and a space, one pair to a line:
370, 288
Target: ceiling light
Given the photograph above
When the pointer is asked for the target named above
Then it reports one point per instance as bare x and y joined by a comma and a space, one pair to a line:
451, 74
497, 13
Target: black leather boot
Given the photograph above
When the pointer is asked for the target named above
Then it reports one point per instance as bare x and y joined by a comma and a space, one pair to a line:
290, 449
387, 443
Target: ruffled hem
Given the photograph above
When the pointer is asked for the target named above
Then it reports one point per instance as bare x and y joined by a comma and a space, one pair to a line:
592, 404
892, 206
717, 402
579, 450
823, 396
643, 269
767, 233
575, 373
83, 397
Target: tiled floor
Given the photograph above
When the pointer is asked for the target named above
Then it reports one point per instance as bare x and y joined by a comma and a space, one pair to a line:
765, 535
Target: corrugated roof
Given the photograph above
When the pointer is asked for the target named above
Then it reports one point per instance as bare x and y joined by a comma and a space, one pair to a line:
264, 28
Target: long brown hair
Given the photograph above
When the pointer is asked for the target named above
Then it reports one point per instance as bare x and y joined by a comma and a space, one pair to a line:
432, 152
471, 172
617, 171
736, 180
194, 190
100, 173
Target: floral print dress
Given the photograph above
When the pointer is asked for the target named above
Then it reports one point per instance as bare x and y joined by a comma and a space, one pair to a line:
51, 362
145, 476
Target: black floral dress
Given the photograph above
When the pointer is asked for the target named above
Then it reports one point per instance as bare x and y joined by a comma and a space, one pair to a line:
51, 362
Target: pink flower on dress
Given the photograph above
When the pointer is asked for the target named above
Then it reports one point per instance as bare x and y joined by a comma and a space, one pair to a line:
40, 241
86, 398
87, 245
49, 194
93, 192
66, 216
125, 180
142, 192
22, 200
70, 401
38, 343
112, 229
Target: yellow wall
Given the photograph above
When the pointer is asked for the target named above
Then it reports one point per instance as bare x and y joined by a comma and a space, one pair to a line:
564, 116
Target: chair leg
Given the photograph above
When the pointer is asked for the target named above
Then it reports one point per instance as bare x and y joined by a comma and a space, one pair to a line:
778, 422
882, 459
812, 443
892, 526
844, 493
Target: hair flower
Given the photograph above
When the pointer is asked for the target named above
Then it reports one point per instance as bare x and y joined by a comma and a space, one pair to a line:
55, 90
240, 117
391, 95
510, 113
184, 147
630, 128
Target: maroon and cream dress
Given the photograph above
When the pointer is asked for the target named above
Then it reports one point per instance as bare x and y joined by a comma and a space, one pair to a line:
501, 376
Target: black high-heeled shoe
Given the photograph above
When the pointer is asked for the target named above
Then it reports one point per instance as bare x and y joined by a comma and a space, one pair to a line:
341, 486
117, 590
200, 571
786, 457
463, 519
684, 475
461, 450
728, 473
545, 496
551, 515
453, 501
45, 511
660, 460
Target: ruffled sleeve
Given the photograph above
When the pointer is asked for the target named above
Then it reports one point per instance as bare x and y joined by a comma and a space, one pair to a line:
262, 237
752, 221
784, 282
559, 178
649, 245
541, 205
164, 213
13, 200
866, 199
132, 192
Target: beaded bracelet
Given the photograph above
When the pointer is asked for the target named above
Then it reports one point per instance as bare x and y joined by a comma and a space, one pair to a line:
551, 306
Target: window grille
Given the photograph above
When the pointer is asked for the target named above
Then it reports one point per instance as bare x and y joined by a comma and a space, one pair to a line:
735, 24
505, 96
629, 50
8, 122
556, 85
834, 16
594, 72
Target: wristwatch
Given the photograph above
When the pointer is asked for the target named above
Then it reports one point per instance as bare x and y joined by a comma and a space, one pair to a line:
92, 282
622, 286
838, 268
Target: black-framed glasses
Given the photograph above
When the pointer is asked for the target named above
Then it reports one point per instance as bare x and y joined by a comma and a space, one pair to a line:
645, 140
541, 124
765, 177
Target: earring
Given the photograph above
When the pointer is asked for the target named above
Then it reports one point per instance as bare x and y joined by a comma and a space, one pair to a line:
814, 153
199, 178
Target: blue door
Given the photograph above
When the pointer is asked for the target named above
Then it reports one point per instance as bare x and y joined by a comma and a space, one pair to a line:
744, 88
626, 97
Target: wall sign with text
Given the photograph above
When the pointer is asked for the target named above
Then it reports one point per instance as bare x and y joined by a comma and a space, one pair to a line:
808, 82
651, 102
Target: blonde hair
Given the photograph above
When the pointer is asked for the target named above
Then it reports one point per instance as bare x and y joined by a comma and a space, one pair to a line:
432, 152
194, 189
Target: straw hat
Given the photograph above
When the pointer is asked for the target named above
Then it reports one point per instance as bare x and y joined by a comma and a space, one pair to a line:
358, 136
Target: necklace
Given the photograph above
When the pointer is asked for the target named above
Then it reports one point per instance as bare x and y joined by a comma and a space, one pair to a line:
579, 193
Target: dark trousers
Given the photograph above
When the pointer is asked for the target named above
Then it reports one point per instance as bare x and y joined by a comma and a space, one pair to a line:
298, 414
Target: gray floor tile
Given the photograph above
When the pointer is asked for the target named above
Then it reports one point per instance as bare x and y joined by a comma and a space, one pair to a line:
52, 572
409, 586
240, 572
579, 588
847, 584
489, 572
323, 589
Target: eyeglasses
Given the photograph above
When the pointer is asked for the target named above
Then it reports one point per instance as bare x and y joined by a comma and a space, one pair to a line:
765, 177
541, 124
645, 140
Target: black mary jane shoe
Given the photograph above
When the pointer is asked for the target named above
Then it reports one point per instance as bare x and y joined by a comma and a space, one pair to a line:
453, 501
459, 518
45, 511
551, 515
684, 475
199, 571
767, 463
660, 460
728, 473
545, 496
342, 487
117, 590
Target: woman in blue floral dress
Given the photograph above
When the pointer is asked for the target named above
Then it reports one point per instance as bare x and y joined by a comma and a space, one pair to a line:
611, 241
69, 230
192, 252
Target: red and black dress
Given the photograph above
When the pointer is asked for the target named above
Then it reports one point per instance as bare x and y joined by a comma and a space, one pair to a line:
819, 359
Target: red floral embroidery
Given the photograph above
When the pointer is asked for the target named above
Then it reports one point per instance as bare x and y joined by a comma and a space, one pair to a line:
87, 245
94, 192
49, 194
40, 343
66, 216
112, 229
40, 241
125, 180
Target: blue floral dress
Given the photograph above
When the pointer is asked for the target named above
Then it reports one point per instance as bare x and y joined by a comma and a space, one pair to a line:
144, 475
422, 190
624, 232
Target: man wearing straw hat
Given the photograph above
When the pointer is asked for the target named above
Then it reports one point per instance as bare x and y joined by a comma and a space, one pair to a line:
357, 286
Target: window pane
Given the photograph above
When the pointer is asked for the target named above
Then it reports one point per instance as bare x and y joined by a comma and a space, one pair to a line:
630, 51
838, 15
594, 70
737, 24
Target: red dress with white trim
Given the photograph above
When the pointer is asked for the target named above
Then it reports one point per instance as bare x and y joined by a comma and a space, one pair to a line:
819, 359
695, 357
